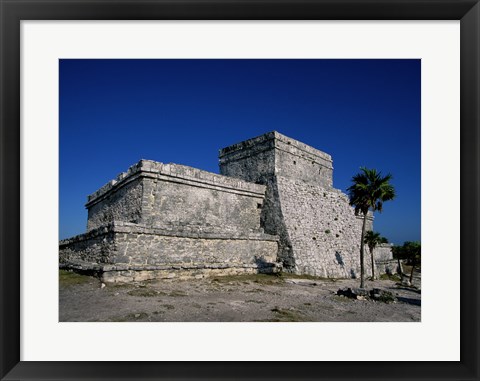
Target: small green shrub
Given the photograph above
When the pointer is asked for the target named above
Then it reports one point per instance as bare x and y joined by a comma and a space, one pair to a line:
387, 297
70, 278
145, 292
284, 315
394, 277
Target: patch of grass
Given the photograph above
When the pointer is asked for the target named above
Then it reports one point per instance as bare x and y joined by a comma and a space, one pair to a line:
130, 317
268, 279
248, 278
70, 278
175, 293
283, 315
145, 292
394, 277
387, 298
384, 296
305, 276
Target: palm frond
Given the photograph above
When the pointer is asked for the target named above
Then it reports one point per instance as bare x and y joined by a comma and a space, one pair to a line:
369, 190
372, 239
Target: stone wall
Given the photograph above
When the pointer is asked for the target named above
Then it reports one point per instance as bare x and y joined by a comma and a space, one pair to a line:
389, 267
322, 228
383, 252
95, 246
252, 160
158, 195
123, 203
131, 247
136, 244
319, 232
182, 204
384, 262
257, 159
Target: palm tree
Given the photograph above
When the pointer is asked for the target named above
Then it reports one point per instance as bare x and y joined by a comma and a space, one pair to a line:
369, 190
372, 239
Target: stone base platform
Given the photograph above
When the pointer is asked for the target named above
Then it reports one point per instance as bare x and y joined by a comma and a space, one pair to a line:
132, 252
127, 273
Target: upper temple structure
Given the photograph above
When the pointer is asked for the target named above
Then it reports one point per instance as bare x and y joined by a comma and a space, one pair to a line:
272, 207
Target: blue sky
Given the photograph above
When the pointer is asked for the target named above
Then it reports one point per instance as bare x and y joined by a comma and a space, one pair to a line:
362, 112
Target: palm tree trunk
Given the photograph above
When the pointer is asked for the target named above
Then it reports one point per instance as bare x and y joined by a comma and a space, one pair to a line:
362, 267
411, 273
373, 265
400, 269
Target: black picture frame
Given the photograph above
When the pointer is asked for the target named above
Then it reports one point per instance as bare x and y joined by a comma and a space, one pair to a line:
13, 11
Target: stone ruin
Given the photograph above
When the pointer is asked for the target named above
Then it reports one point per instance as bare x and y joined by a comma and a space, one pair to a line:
272, 207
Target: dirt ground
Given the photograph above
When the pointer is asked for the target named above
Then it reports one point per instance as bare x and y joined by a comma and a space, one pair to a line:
249, 298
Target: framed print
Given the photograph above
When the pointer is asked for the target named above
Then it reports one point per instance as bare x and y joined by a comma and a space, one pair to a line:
274, 266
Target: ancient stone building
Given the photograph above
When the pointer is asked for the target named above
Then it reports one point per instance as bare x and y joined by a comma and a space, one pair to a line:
272, 207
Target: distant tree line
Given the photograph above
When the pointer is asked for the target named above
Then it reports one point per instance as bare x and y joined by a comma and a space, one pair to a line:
410, 252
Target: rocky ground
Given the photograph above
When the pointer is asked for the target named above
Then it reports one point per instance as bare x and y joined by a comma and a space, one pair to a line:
249, 298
